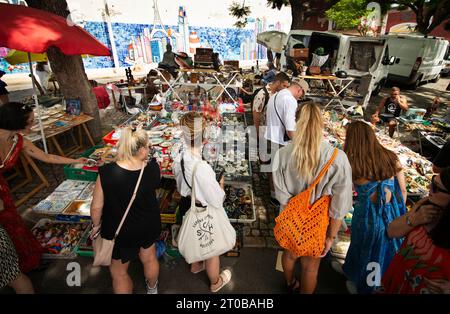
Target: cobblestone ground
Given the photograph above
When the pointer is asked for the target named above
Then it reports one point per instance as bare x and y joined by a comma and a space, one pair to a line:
260, 232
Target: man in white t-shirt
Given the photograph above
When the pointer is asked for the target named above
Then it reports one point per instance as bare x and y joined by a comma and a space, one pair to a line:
261, 100
281, 111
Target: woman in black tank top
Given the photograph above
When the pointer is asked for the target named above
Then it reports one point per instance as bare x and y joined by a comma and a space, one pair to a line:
142, 226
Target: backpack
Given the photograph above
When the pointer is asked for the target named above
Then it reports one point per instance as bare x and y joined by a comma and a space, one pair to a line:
301, 227
266, 99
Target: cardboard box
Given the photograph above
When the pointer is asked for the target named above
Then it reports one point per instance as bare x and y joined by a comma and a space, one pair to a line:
232, 63
302, 53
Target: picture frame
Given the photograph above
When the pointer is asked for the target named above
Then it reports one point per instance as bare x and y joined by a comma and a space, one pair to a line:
73, 106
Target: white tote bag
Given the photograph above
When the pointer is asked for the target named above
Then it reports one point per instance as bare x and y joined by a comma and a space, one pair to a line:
205, 232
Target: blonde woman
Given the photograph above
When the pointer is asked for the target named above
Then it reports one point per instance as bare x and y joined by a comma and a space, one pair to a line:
207, 190
142, 226
297, 165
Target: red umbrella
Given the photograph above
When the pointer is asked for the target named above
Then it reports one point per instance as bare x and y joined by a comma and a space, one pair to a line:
32, 30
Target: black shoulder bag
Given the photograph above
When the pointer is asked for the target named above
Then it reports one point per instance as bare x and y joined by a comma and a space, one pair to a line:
266, 99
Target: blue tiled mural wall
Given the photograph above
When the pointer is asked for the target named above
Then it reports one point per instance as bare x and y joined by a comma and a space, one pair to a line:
231, 44
100, 31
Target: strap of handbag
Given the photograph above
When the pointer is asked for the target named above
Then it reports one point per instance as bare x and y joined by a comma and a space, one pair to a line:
286, 136
193, 184
324, 169
184, 172
131, 200
266, 99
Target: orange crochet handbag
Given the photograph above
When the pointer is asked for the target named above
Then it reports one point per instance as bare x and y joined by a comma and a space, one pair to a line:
301, 227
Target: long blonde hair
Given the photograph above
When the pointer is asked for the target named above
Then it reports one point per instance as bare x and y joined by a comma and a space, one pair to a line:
131, 140
307, 141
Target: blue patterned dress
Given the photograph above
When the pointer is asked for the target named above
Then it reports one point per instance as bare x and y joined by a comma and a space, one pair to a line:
369, 239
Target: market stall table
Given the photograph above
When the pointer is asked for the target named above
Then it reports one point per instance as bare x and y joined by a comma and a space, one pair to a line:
214, 73
433, 133
330, 79
417, 169
70, 123
27, 162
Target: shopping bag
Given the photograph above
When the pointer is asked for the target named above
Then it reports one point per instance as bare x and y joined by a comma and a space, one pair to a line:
301, 227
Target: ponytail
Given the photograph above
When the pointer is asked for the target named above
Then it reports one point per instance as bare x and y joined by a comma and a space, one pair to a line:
130, 142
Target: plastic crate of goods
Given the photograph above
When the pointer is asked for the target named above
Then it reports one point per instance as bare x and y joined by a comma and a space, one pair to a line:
84, 247
112, 137
59, 239
415, 114
169, 200
74, 173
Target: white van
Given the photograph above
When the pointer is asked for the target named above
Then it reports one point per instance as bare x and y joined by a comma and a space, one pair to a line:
446, 68
418, 58
365, 58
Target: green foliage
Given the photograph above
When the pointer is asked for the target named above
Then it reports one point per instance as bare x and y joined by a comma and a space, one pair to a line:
277, 4
432, 10
239, 11
347, 13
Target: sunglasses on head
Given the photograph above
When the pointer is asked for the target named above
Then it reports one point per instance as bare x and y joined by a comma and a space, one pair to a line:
435, 188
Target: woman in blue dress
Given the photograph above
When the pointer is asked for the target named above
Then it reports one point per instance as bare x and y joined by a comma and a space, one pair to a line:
381, 195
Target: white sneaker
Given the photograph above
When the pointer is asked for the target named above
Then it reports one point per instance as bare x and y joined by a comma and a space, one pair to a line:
337, 267
351, 288
151, 290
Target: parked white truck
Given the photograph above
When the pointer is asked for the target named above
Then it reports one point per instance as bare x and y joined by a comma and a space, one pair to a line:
418, 58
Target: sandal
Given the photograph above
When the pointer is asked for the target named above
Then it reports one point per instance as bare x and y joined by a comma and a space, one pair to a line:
294, 287
200, 270
225, 276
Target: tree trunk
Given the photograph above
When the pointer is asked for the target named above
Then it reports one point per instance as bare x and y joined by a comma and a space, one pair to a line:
69, 70
297, 14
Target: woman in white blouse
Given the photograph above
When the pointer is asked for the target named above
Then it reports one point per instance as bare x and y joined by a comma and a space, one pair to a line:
207, 190
297, 165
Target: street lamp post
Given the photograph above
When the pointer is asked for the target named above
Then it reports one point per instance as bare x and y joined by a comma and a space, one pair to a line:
107, 16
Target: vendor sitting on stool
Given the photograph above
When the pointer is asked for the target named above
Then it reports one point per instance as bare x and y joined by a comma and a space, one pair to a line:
393, 106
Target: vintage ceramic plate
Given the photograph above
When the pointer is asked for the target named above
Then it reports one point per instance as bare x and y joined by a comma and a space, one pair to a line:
166, 144
159, 127
155, 133
156, 141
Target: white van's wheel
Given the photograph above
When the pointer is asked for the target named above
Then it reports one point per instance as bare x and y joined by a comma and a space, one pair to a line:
416, 83
436, 79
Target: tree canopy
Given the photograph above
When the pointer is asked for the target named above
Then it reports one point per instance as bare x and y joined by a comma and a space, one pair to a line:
347, 13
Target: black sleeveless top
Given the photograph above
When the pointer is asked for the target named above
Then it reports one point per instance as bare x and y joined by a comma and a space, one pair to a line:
392, 107
142, 226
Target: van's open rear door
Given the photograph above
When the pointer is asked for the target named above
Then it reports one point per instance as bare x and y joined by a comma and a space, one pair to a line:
363, 62
364, 56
